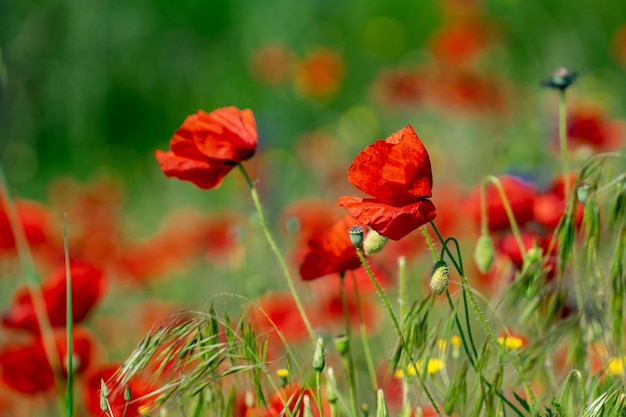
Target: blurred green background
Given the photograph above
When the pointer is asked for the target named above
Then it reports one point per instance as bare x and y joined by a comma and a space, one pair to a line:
92, 87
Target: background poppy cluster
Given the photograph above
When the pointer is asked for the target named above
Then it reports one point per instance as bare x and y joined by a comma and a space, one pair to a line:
88, 92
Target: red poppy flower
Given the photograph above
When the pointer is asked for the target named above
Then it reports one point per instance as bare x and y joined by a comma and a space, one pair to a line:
396, 172
331, 251
36, 222
549, 207
208, 145
24, 367
520, 194
87, 288
142, 392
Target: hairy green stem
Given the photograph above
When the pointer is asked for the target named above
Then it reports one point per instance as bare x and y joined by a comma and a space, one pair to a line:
394, 319
364, 339
318, 389
348, 360
276, 251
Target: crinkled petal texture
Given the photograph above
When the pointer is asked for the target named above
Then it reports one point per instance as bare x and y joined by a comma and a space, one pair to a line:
331, 251
396, 170
393, 222
397, 173
208, 145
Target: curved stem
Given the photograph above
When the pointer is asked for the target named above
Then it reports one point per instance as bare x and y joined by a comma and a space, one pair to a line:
276, 251
396, 325
507, 208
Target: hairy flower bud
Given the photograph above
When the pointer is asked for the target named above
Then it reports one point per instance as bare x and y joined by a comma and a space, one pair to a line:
318, 355
374, 242
484, 253
356, 235
439, 278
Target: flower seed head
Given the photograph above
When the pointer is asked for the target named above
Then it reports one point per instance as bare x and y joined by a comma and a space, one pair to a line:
560, 79
356, 235
342, 344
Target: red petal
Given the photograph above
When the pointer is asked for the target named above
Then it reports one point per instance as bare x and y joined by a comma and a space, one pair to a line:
202, 173
396, 171
227, 134
393, 222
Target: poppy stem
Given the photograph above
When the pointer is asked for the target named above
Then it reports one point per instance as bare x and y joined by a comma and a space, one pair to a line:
69, 328
276, 251
396, 325
507, 208
348, 360
467, 290
563, 142
32, 281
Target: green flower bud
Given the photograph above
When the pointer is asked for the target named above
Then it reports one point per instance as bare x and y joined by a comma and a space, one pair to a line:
381, 405
374, 242
331, 386
342, 344
439, 278
318, 355
484, 253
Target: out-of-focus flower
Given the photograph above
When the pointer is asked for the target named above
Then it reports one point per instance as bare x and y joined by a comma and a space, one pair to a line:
549, 206
306, 218
330, 312
520, 195
35, 219
508, 245
589, 129
277, 311
320, 73
289, 400
512, 341
460, 43
396, 172
272, 64
330, 251
142, 392
24, 367
88, 286
208, 145
400, 87
469, 92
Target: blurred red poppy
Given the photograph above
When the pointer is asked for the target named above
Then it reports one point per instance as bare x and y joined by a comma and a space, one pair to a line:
208, 145
320, 73
401, 87
549, 206
36, 222
396, 172
331, 251
141, 389
520, 195
24, 367
87, 288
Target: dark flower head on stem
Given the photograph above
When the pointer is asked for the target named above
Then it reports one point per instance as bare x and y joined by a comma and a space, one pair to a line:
560, 79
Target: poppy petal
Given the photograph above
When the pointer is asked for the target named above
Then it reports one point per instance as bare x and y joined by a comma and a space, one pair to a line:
393, 222
201, 173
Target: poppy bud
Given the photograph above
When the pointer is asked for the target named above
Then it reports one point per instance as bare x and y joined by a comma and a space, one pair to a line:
374, 242
127, 395
381, 405
331, 386
439, 278
318, 355
356, 235
582, 192
484, 253
342, 344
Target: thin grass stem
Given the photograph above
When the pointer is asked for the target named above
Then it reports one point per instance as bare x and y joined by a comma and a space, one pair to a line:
69, 327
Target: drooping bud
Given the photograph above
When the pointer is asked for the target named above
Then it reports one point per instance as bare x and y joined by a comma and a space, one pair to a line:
342, 344
318, 355
356, 235
439, 278
381, 405
484, 253
374, 242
